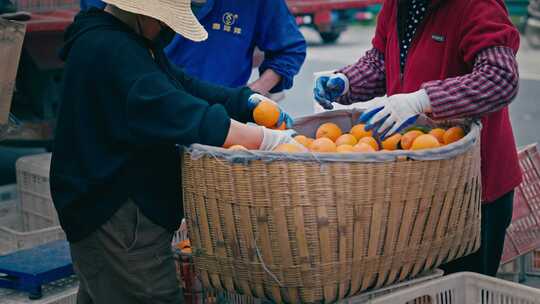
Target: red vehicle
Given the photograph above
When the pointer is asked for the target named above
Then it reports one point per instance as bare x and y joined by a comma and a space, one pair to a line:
328, 17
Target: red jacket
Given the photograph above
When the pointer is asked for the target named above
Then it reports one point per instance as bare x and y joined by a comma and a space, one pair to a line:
445, 45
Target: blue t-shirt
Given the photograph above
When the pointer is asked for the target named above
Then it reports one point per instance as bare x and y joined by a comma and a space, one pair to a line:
235, 28
86, 4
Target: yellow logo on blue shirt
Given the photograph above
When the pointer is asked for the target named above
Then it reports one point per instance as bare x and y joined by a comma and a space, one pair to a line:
229, 18
227, 24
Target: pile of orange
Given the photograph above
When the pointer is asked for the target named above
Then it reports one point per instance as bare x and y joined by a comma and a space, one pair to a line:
330, 138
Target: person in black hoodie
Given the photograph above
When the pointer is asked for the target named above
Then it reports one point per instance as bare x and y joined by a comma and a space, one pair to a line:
115, 172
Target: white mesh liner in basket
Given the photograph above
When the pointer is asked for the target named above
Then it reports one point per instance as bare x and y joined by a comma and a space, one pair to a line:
346, 119
464, 288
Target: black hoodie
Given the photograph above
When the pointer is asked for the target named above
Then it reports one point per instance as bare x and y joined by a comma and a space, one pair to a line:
124, 108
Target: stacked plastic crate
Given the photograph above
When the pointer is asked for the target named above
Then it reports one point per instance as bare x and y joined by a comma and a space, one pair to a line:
28, 219
8, 203
33, 220
523, 235
535, 265
63, 291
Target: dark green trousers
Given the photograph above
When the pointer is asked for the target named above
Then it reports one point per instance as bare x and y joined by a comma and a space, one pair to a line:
127, 260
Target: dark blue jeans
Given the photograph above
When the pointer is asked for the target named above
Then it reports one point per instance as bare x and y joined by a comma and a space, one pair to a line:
496, 218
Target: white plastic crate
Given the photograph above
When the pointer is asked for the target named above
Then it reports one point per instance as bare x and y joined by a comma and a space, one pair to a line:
8, 201
365, 297
63, 291
14, 236
232, 298
34, 192
464, 288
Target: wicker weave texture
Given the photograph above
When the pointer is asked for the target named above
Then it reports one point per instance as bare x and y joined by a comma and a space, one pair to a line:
296, 231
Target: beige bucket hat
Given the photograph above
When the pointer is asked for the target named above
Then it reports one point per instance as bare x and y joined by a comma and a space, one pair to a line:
177, 14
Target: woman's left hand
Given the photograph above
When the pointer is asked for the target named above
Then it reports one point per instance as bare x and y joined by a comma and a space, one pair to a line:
395, 113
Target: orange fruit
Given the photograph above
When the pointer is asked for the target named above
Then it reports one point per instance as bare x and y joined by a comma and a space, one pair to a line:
288, 148
238, 148
283, 126
408, 138
370, 141
329, 130
345, 148
323, 145
438, 133
184, 246
346, 139
359, 131
425, 141
391, 143
303, 140
453, 134
363, 147
266, 114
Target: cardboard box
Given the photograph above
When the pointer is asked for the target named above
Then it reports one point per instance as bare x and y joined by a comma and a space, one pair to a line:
11, 41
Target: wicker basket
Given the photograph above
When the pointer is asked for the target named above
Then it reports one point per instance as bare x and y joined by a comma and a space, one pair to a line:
311, 228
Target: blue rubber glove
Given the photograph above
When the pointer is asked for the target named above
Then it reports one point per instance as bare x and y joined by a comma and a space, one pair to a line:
329, 87
255, 99
395, 113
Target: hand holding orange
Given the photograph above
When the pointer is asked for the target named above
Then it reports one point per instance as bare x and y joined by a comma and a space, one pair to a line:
268, 114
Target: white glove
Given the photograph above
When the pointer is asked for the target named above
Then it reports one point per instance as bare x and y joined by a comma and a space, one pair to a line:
395, 113
274, 138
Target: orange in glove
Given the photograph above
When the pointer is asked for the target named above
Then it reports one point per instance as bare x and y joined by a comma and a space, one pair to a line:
268, 114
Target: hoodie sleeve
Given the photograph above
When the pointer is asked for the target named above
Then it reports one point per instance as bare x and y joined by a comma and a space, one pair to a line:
284, 46
235, 100
150, 109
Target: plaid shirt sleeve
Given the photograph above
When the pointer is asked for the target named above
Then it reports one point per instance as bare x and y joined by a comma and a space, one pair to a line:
367, 78
491, 85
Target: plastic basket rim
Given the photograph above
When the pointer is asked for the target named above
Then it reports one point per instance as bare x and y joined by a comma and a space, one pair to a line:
27, 164
27, 233
459, 277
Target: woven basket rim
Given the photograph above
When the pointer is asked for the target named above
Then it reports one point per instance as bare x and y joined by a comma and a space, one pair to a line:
197, 151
